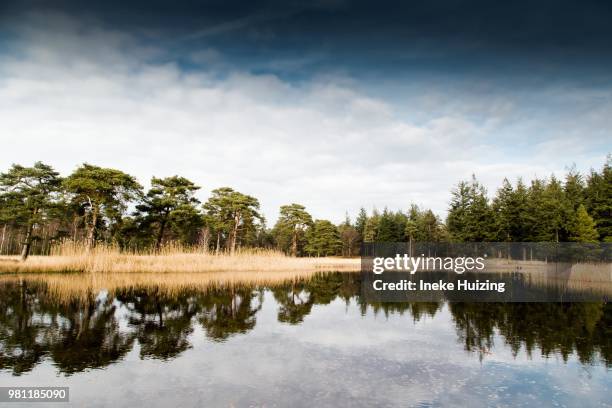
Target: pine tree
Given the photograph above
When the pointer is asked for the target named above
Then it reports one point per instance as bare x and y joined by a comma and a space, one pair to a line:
386, 231
574, 188
518, 225
349, 237
323, 239
104, 193
503, 209
457, 218
598, 199
28, 194
470, 218
557, 209
360, 221
170, 202
370, 231
293, 221
583, 228
535, 216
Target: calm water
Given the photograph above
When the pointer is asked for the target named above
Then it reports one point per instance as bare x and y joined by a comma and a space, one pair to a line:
314, 343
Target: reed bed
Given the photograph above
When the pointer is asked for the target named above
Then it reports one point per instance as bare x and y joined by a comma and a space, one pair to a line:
74, 257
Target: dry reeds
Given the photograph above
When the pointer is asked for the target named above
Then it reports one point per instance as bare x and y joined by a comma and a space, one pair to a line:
74, 257
66, 287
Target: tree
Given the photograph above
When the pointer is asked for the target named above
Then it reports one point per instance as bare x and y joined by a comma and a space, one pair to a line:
548, 212
574, 188
429, 227
557, 209
509, 209
470, 216
186, 224
169, 200
102, 192
370, 229
598, 199
360, 221
232, 212
349, 236
323, 239
386, 230
583, 228
502, 209
29, 193
294, 219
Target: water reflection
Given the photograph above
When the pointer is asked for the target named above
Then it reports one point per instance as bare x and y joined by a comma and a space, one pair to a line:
99, 327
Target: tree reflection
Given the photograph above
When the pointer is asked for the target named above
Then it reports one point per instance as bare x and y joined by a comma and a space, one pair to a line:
563, 328
21, 347
229, 311
162, 323
296, 299
98, 329
88, 336
75, 334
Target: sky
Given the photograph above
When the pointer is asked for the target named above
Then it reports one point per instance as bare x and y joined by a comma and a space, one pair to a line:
333, 104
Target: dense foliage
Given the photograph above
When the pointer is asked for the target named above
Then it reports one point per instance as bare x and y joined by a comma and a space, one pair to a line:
94, 204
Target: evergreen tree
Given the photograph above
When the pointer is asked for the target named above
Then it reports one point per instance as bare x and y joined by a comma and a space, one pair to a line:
535, 217
323, 239
293, 221
429, 229
598, 200
233, 213
518, 227
557, 209
370, 231
470, 217
386, 230
170, 202
349, 237
102, 192
502, 209
360, 221
28, 194
574, 188
583, 228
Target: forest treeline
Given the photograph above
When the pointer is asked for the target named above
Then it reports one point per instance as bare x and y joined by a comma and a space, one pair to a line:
39, 208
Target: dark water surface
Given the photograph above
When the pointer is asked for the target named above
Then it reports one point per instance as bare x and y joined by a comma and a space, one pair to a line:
311, 343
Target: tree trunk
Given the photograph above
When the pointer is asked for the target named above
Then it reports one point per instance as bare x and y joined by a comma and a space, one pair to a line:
3, 237
218, 243
234, 234
294, 244
27, 242
160, 235
91, 233
204, 239
75, 224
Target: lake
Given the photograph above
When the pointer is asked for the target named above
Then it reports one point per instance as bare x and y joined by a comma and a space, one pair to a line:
308, 342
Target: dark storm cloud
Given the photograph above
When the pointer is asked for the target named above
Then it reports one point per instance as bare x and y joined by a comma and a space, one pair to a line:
370, 36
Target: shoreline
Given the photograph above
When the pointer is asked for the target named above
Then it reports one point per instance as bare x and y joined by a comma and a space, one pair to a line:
110, 262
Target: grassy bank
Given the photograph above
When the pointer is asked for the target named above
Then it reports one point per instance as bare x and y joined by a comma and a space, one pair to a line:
75, 258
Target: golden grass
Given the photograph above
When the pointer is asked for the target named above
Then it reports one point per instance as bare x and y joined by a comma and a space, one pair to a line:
66, 287
73, 257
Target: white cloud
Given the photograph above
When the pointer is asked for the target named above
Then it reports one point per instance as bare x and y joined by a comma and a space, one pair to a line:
73, 93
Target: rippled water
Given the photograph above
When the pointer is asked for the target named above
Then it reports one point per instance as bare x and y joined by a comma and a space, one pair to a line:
310, 343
